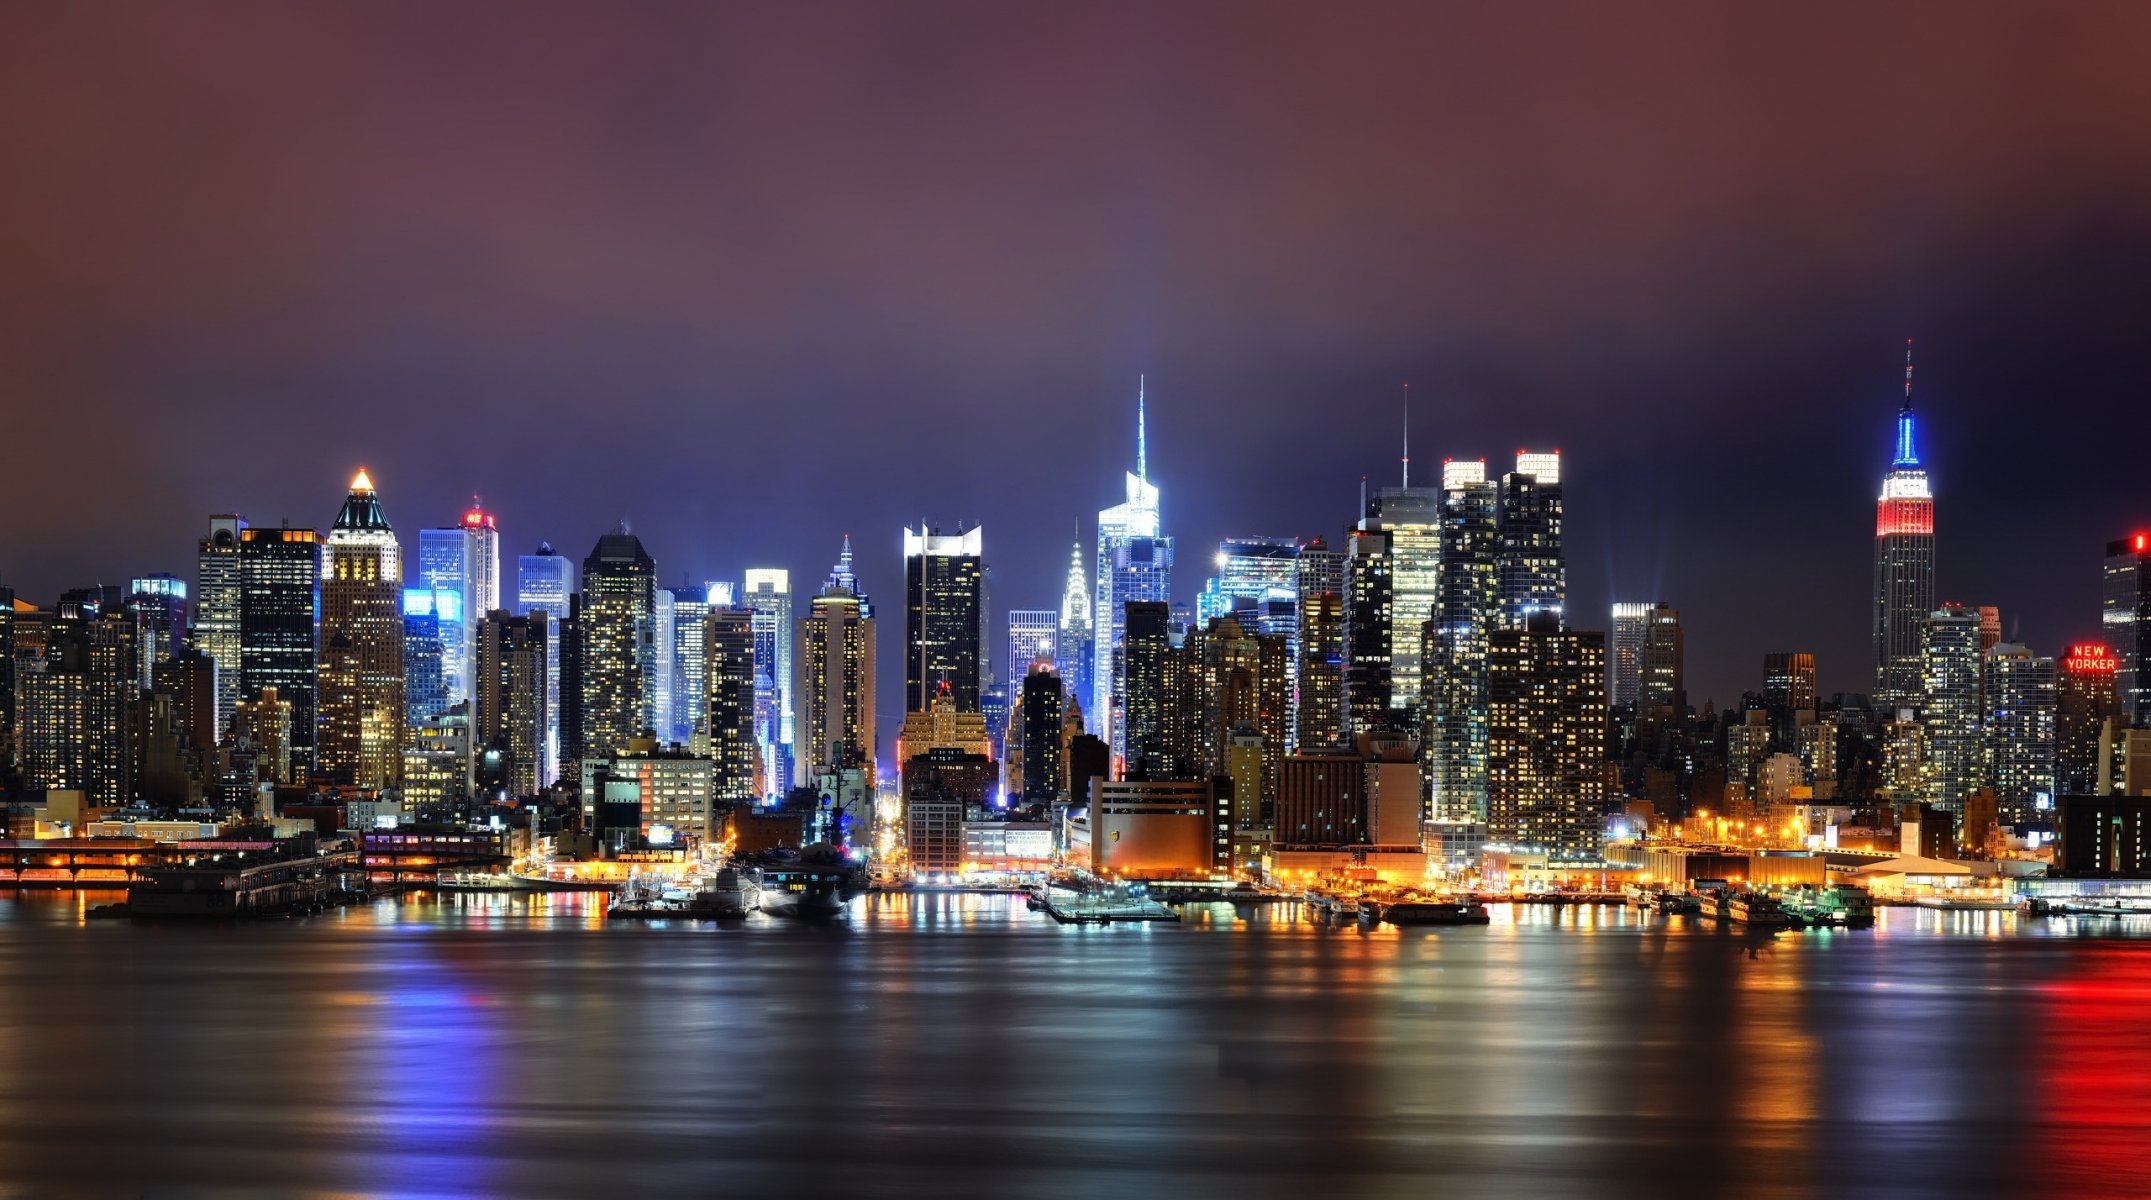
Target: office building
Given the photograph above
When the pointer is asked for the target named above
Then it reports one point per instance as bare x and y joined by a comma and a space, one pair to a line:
2021, 709
464, 562
1152, 703
509, 720
1624, 659
217, 591
729, 680
617, 654
1454, 738
1073, 649
263, 726
1949, 707
1367, 611
768, 595
943, 606
1529, 562
1318, 709
1158, 829
2087, 706
2125, 620
651, 793
543, 582
1904, 566
1662, 687
158, 604
686, 609
1546, 737
1411, 521
360, 666
1134, 563
279, 609
1044, 772
835, 689
1789, 681
425, 685
1033, 637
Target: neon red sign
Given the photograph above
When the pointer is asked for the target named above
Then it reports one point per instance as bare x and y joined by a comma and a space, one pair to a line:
2090, 658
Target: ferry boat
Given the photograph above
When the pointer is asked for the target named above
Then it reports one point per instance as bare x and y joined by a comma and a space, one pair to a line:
1756, 910
1436, 912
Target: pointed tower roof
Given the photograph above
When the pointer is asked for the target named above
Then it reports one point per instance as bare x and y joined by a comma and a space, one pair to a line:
362, 508
1907, 448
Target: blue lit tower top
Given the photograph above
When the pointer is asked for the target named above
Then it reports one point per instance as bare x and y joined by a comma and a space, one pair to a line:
1907, 452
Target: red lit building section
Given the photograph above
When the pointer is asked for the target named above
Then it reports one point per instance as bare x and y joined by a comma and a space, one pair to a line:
1904, 515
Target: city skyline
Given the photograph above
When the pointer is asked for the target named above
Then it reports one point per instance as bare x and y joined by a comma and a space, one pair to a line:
1709, 335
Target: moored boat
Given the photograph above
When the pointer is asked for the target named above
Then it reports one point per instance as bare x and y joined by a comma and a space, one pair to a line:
1436, 912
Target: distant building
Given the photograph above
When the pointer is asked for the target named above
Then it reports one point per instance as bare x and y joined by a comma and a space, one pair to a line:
2104, 836
768, 595
943, 786
1134, 563
1318, 717
2086, 706
1033, 636
730, 690
1624, 663
1454, 736
943, 577
1073, 648
218, 587
1368, 598
1150, 829
1044, 773
2020, 697
626, 796
543, 583
616, 634
1662, 687
1530, 565
510, 716
835, 689
1950, 717
361, 669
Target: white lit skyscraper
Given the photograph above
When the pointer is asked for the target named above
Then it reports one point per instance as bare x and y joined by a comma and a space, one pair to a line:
1950, 706
463, 561
1135, 562
1532, 571
1033, 634
543, 582
1074, 646
217, 588
1624, 666
768, 594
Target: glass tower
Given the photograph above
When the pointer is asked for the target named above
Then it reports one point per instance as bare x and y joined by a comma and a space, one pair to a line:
1134, 563
768, 595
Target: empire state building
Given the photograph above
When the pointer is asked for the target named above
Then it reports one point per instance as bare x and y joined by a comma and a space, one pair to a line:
1904, 564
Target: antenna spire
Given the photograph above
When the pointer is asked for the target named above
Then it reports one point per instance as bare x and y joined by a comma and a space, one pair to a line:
1908, 375
1142, 436
1407, 435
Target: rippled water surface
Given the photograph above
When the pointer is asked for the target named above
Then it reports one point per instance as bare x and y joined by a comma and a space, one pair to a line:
961, 1046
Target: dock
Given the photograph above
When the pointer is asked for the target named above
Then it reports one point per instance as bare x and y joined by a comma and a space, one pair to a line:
1090, 908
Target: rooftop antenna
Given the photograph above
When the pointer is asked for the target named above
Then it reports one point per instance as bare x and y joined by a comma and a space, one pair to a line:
1407, 436
1908, 375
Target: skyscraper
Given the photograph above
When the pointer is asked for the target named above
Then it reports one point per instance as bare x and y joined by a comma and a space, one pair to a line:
689, 606
1624, 663
1949, 708
1248, 570
1546, 737
1529, 563
1411, 519
617, 655
279, 608
2085, 701
2020, 716
836, 677
1368, 596
768, 595
543, 583
2126, 621
1662, 689
1904, 565
1152, 700
509, 721
1033, 634
1073, 651
425, 688
217, 590
158, 604
1134, 562
1041, 741
729, 675
942, 580
1789, 681
1318, 715
361, 676
74, 697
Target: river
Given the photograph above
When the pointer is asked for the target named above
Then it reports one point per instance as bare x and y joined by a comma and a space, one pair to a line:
950, 1046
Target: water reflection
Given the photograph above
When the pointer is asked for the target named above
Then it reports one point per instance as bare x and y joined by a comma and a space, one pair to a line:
514, 1044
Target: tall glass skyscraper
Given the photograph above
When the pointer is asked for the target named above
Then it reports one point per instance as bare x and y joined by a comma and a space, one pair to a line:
1904, 566
768, 595
616, 651
543, 583
1532, 571
1949, 707
1135, 562
1624, 665
279, 612
2021, 708
2126, 619
361, 646
217, 589
943, 603
464, 561
1411, 519
1455, 742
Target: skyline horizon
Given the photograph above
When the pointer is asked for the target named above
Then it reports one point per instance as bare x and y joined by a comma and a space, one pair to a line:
807, 582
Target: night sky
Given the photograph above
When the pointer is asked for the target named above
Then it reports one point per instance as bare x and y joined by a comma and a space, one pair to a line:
752, 278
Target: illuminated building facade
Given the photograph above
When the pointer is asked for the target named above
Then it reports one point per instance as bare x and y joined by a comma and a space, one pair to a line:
1073, 648
1134, 563
1952, 752
729, 675
1904, 565
2086, 701
617, 655
279, 609
158, 604
1318, 703
74, 697
768, 595
2125, 620
2020, 730
1624, 660
509, 721
836, 680
1411, 520
1662, 683
1152, 700
217, 591
361, 677
463, 561
425, 687
1454, 738
943, 607
1033, 636
1789, 681
1546, 737
263, 724
1368, 595
1533, 574
543, 582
